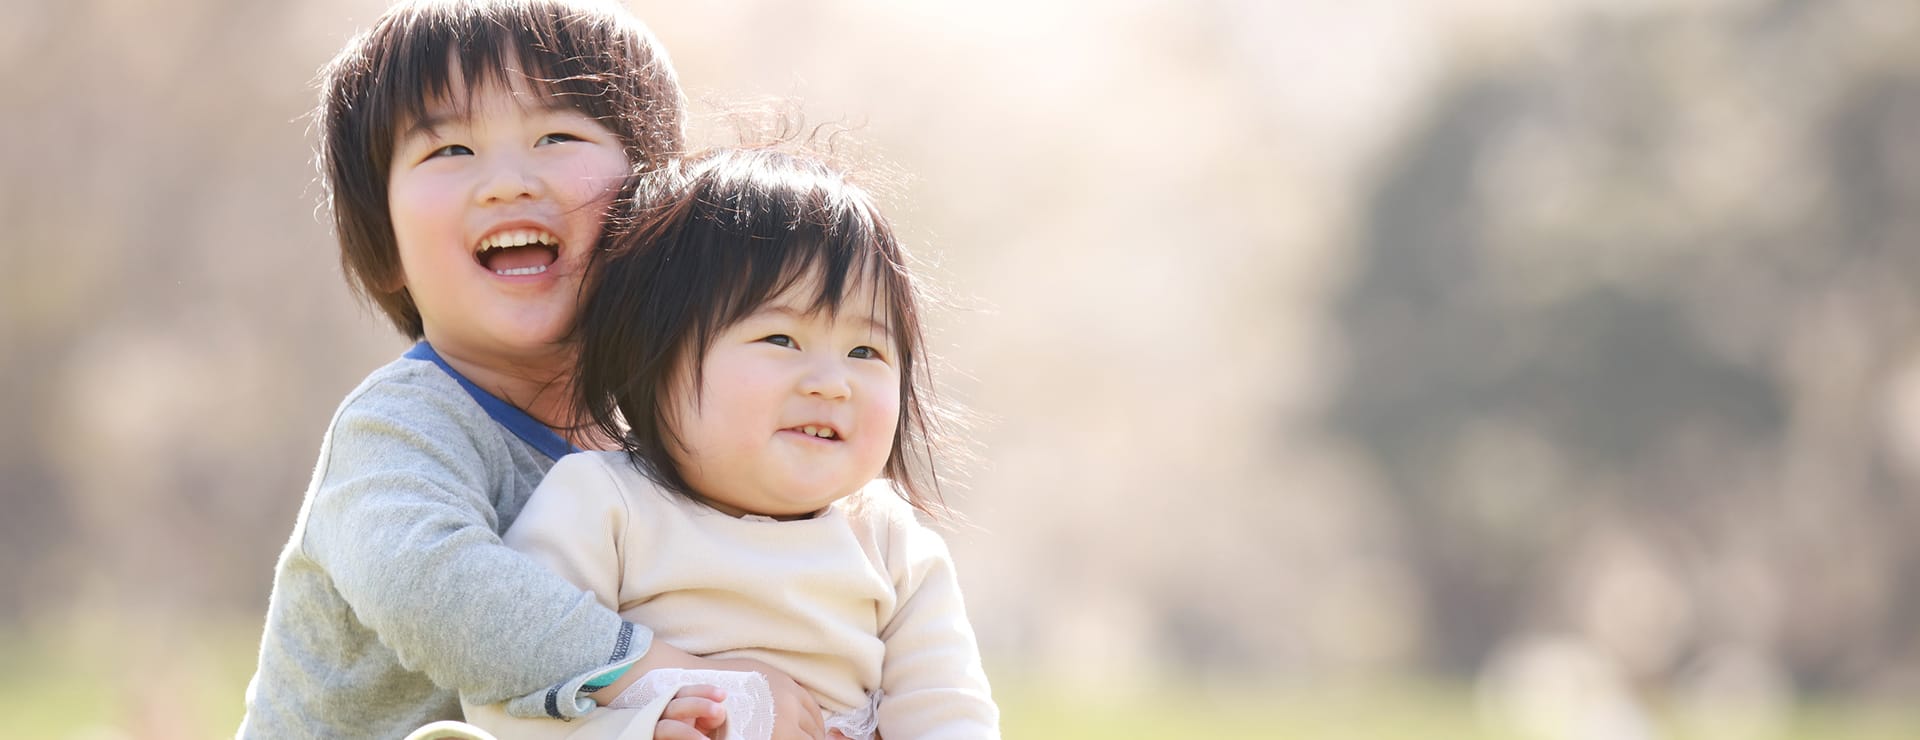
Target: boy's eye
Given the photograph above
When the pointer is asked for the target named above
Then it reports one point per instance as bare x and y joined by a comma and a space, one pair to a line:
780, 340
556, 138
449, 151
864, 353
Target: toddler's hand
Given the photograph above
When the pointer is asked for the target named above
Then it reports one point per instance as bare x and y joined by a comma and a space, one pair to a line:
695, 713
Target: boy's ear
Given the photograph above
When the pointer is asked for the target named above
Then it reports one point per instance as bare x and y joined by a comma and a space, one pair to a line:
395, 283
405, 300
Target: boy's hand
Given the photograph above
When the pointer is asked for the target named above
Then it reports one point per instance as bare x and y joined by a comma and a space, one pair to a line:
796, 714
695, 713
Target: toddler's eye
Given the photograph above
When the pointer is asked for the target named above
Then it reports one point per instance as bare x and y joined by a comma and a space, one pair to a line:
449, 150
556, 138
780, 340
864, 353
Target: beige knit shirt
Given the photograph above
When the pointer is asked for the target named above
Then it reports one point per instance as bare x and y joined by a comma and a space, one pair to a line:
861, 597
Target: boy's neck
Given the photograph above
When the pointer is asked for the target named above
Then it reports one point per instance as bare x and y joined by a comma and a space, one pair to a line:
541, 388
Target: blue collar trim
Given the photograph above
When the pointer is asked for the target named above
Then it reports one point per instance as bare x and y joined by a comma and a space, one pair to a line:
525, 427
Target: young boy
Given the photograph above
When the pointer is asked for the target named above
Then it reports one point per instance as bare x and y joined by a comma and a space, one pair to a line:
470, 149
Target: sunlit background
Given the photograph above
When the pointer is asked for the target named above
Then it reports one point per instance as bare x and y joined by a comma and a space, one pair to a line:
1479, 369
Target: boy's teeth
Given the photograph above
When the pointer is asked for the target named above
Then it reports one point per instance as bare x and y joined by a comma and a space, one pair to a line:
517, 238
821, 432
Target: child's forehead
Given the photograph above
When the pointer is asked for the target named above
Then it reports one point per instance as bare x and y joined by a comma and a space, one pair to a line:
862, 297
460, 106
490, 88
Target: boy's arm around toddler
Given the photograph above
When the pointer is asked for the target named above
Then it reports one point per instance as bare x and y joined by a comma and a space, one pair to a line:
404, 521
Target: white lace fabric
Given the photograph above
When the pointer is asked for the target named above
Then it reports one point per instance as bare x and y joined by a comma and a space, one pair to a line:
749, 701
859, 723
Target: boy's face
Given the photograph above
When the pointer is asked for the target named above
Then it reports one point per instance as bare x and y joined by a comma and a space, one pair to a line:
796, 409
496, 207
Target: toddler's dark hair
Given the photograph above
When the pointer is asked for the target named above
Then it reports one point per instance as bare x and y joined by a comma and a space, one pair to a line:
713, 238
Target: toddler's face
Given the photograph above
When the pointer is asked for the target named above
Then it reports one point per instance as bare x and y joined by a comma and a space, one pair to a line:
497, 201
796, 410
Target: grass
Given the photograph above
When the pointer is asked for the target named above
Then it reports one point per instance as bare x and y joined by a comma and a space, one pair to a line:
92, 682
1401, 711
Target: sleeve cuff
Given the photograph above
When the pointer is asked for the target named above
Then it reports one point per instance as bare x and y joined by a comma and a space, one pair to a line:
568, 699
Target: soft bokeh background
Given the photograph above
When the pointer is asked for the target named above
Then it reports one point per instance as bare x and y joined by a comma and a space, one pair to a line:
1485, 368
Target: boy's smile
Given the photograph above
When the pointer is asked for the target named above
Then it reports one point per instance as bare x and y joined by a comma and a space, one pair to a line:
497, 200
518, 251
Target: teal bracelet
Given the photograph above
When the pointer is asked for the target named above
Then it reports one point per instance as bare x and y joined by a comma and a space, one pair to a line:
604, 680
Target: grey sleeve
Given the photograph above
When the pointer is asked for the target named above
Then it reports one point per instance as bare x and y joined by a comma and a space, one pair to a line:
403, 523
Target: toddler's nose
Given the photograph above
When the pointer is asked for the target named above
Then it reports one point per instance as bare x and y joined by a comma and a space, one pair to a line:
827, 380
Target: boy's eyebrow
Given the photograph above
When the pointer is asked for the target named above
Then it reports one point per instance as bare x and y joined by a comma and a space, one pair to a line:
438, 117
425, 126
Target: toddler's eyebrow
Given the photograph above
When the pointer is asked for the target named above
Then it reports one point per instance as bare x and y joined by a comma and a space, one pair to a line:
794, 313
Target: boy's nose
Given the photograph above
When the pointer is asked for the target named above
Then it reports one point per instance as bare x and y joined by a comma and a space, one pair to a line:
509, 180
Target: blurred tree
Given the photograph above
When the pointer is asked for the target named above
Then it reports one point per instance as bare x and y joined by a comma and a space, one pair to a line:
1654, 281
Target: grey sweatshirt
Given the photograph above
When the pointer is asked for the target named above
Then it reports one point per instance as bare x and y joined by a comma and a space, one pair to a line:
394, 593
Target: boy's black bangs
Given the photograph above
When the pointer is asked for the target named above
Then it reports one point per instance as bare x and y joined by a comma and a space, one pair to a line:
544, 55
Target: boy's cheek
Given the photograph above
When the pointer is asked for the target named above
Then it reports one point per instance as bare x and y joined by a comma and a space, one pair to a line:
419, 199
600, 171
598, 184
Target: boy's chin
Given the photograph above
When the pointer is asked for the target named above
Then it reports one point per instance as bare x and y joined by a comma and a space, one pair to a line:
542, 335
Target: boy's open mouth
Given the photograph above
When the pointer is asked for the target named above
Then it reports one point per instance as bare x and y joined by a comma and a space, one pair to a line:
518, 252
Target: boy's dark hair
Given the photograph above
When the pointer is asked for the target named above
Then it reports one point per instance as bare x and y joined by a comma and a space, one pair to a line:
595, 57
713, 238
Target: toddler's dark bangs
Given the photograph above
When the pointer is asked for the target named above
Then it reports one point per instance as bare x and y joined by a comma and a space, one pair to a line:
777, 229
767, 265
